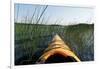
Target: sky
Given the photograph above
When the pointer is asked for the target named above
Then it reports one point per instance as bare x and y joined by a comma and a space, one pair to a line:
62, 15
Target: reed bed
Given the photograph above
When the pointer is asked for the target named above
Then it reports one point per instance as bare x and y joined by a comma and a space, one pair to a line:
33, 35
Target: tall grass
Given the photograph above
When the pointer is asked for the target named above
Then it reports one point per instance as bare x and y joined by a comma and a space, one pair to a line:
33, 36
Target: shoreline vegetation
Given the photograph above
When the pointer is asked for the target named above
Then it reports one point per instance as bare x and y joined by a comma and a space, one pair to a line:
36, 25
